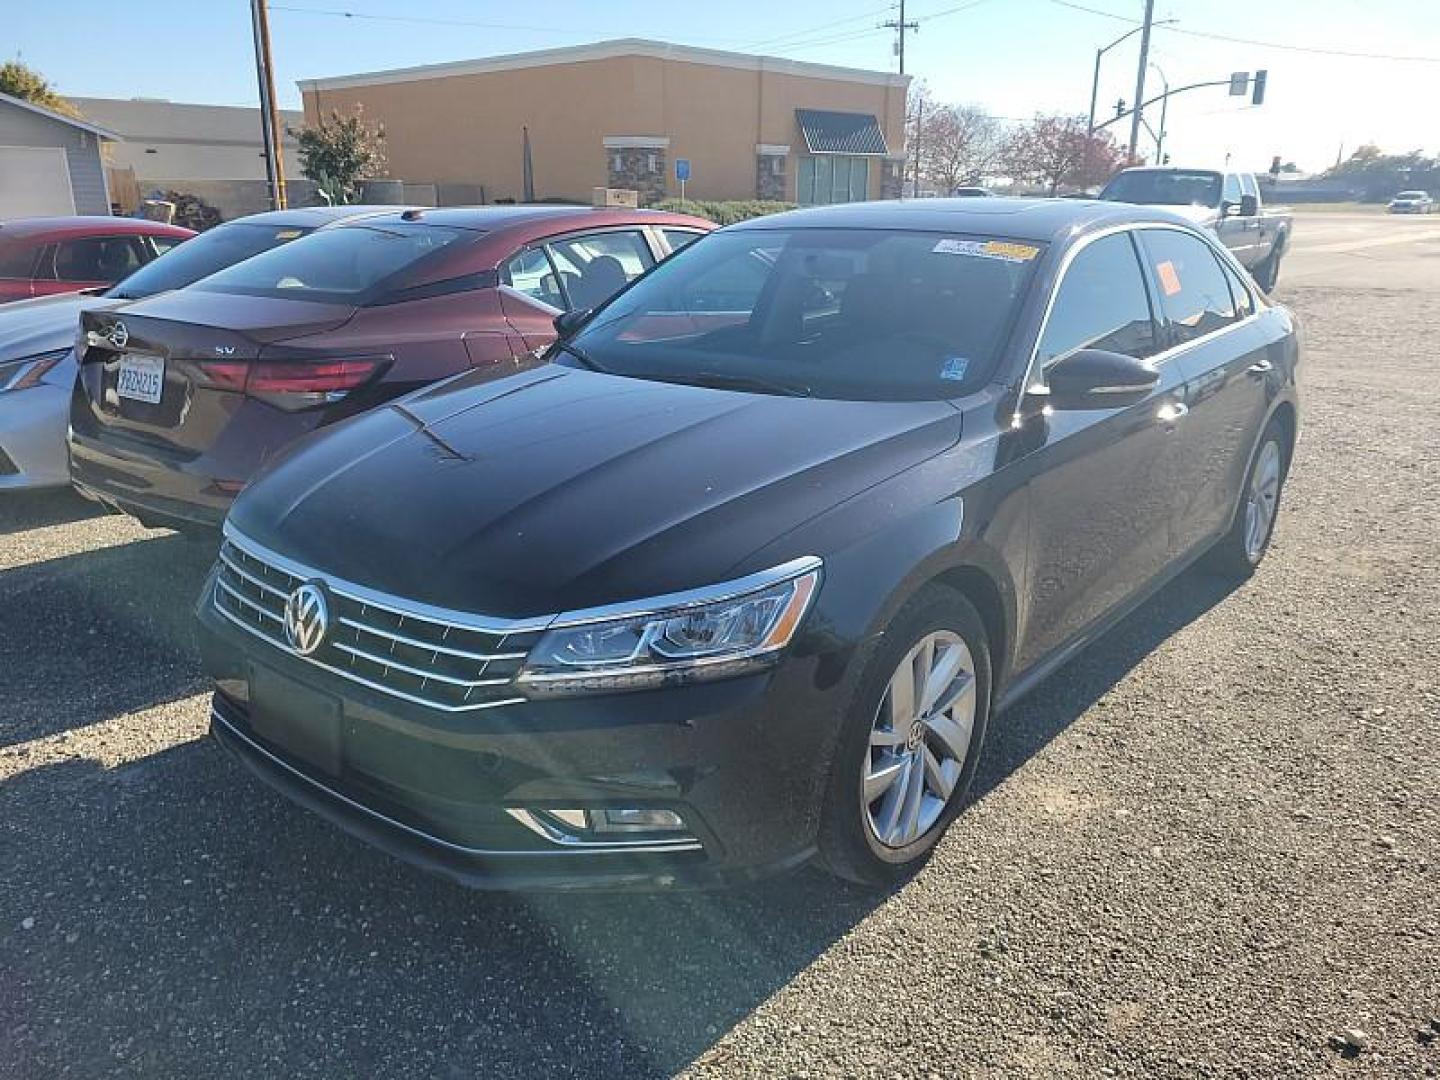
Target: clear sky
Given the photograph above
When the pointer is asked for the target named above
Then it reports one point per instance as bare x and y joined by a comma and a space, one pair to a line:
1015, 57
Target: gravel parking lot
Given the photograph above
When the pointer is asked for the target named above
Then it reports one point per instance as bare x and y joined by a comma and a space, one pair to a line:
1208, 847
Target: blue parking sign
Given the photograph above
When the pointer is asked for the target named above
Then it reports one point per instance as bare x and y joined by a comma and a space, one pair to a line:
682, 168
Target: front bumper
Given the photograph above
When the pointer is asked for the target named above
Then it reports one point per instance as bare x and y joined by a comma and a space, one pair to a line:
32, 437
743, 762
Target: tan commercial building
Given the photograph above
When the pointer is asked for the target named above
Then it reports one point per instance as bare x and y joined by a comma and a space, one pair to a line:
625, 114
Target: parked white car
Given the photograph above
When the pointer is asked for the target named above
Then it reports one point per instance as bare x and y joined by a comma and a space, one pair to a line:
1412, 202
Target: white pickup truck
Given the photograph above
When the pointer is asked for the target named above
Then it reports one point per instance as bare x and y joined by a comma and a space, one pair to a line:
1227, 203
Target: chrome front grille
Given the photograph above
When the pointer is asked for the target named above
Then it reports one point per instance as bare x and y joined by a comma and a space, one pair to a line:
446, 660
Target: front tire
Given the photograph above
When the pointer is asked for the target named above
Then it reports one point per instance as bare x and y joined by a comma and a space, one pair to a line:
1243, 548
911, 742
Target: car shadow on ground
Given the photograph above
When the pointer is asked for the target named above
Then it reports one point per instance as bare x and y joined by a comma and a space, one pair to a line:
22, 510
188, 921
87, 637
1018, 735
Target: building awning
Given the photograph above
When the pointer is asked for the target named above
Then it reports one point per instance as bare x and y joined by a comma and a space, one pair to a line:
840, 132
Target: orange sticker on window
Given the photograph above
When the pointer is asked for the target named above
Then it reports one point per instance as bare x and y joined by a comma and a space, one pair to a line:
1169, 279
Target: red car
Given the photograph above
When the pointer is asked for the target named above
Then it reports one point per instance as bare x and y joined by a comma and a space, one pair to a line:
183, 397
45, 256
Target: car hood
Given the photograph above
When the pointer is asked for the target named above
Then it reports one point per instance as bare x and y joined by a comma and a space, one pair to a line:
558, 488
46, 323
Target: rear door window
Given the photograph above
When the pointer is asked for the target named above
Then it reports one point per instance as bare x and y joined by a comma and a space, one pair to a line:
679, 238
1101, 304
17, 261
1193, 291
102, 258
531, 273
595, 266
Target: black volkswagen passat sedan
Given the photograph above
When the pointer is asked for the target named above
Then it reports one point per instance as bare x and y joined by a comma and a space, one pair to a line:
741, 577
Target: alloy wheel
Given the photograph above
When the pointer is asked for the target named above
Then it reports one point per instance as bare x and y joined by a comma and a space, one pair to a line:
1261, 500
919, 739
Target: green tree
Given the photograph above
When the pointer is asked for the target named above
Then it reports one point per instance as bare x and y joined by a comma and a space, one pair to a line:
23, 82
341, 151
1376, 176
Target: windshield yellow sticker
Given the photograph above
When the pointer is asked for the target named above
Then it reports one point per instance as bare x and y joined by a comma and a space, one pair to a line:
988, 249
289, 234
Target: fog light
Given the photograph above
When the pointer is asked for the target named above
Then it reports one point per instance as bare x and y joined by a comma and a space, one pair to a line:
634, 819
608, 827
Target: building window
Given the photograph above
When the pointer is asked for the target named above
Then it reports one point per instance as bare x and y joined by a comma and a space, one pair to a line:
832, 178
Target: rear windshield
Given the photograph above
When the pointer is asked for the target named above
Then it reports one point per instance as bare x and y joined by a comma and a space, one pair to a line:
351, 264
204, 255
1171, 188
859, 314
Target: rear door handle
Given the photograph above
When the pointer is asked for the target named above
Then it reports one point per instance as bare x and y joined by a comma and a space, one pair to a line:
1261, 367
1171, 412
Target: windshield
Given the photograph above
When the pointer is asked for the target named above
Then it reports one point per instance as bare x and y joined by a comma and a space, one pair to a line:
836, 313
210, 251
1167, 188
1411, 195
346, 265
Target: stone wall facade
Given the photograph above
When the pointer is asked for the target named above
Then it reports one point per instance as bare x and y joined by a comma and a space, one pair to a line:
892, 178
640, 168
770, 179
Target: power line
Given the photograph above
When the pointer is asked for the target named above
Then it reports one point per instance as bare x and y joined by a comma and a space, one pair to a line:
824, 28
1317, 50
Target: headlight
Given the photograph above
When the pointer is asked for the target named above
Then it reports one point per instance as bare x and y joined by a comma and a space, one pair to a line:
28, 370
713, 633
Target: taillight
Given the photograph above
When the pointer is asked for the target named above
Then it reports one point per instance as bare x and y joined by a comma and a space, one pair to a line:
295, 384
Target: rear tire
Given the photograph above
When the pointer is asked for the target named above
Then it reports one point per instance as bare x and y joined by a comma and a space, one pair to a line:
906, 758
1243, 548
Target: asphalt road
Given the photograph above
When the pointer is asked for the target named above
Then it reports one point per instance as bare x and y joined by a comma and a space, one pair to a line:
1207, 847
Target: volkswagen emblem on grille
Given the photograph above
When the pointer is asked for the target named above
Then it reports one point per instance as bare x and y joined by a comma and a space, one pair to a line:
307, 618
118, 336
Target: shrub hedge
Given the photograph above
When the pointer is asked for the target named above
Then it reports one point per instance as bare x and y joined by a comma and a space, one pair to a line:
723, 213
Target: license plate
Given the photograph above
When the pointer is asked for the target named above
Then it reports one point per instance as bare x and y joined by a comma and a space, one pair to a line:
142, 378
295, 718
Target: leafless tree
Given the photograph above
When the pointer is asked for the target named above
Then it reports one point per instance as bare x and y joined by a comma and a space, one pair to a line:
962, 143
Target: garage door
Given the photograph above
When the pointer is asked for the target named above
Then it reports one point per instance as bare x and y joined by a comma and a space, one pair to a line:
34, 181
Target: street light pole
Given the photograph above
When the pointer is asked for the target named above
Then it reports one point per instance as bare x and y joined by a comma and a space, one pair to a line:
1140, 77
1095, 80
1164, 108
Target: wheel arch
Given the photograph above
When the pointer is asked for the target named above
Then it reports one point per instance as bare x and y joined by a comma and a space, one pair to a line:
981, 590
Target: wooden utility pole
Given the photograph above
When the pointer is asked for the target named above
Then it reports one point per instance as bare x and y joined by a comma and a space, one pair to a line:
1140, 78
269, 114
900, 26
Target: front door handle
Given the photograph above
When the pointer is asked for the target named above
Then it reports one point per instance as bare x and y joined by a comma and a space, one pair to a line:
1261, 367
1171, 412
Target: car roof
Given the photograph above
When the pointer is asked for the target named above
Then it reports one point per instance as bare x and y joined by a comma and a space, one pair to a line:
314, 217
82, 225
493, 218
1042, 220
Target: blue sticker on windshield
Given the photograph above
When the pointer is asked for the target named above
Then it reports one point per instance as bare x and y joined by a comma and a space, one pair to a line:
954, 368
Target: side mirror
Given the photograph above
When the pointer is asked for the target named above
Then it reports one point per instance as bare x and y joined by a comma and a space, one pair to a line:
1249, 205
567, 322
1097, 379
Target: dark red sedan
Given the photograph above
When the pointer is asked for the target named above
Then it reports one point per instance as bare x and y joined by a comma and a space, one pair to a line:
45, 256
183, 397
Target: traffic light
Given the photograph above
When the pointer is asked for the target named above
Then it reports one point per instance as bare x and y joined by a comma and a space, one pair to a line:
1257, 94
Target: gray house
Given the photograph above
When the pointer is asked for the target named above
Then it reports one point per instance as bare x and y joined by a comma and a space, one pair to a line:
49, 163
